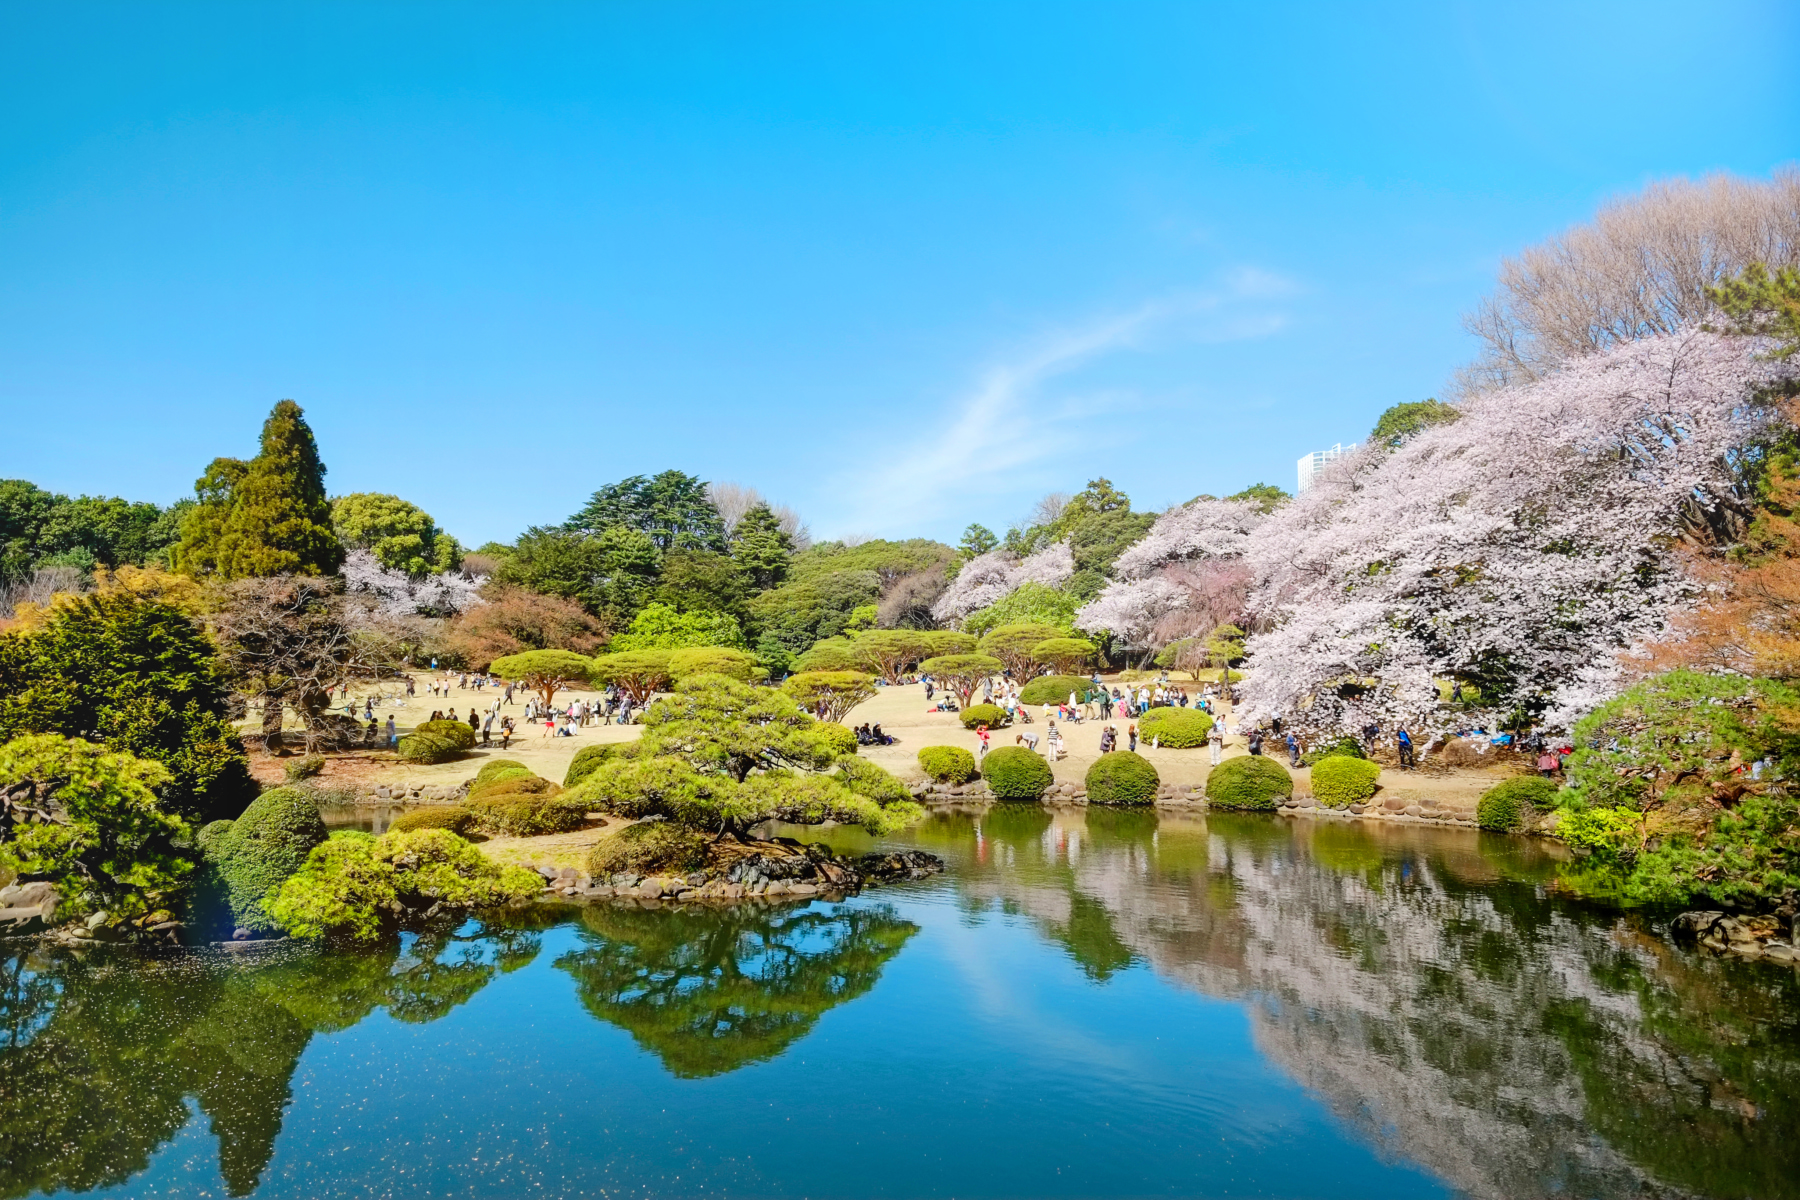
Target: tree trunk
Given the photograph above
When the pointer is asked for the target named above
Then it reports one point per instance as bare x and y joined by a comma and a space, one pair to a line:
271, 723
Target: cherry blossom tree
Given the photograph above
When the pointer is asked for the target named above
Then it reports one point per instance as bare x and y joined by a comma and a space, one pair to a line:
989, 578
397, 594
1521, 547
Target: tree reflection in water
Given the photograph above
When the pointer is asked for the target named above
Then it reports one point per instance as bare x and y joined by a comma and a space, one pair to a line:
1431, 986
711, 990
100, 1053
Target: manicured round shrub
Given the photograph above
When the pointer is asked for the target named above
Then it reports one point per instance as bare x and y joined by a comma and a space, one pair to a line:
649, 847
513, 783
947, 764
516, 815
1252, 783
1344, 747
454, 817
1339, 781
495, 767
263, 848
1053, 689
588, 758
1174, 728
304, 768
1505, 807
1015, 773
843, 738
455, 732
1121, 778
712, 660
428, 748
991, 715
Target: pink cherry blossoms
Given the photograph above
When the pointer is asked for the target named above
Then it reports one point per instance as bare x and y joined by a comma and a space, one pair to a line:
1183, 579
989, 578
397, 594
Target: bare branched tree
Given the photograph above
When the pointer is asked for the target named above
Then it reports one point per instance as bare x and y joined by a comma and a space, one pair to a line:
733, 500
1642, 266
39, 587
1046, 510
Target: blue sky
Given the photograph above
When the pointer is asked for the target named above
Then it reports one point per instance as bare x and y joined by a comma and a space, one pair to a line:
901, 266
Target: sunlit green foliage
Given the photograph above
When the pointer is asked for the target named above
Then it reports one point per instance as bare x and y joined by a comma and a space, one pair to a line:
268, 516
1250, 783
1122, 778
1015, 773
401, 535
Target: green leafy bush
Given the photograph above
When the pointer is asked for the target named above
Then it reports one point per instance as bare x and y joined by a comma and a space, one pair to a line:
1344, 747
350, 886
1340, 781
1611, 833
1053, 689
869, 780
262, 848
305, 768
947, 764
515, 814
1252, 783
1175, 728
841, 738
588, 758
1505, 807
647, 848
499, 766
1015, 773
455, 732
1122, 778
428, 748
513, 783
454, 817
991, 715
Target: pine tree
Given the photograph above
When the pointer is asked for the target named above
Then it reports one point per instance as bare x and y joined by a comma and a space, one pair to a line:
761, 547
268, 516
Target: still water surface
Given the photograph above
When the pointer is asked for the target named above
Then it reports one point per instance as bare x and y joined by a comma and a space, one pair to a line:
1086, 1004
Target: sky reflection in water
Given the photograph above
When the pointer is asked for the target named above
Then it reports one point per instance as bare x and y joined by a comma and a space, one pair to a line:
1087, 1004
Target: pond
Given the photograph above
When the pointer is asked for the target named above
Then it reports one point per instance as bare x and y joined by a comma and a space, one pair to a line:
1085, 1004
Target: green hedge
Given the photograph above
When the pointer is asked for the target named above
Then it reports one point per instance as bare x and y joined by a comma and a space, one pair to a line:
1174, 728
991, 715
520, 815
255, 854
1121, 778
1340, 781
1505, 807
495, 767
647, 848
1344, 747
513, 783
948, 764
588, 759
455, 818
1053, 689
456, 732
428, 748
1015, 773
843, 738
1252, 783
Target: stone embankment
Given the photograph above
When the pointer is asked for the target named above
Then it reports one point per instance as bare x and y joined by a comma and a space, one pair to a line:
1760, 937
779, 870
1403, 809
27, 908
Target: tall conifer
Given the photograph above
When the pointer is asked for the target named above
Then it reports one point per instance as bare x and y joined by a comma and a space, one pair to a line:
267, 517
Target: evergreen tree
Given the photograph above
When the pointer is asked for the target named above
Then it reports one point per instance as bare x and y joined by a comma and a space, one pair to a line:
268, 516
761, 547
672, 509
977, 540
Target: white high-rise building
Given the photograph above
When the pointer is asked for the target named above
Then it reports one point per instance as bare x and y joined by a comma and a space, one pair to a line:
1310, 463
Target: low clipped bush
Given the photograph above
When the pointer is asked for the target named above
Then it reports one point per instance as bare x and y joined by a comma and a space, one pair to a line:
428, 748
1249, 784
1344, 747
304, 768
1340, 781
497, 766
1053, 689
843, 738
1015, 773
526, 815
509, 783
947, 764
1175, 728
454, 817
588, 758
1122, 778
1505, 807
455, 732
991, 715
255, 854
647, 848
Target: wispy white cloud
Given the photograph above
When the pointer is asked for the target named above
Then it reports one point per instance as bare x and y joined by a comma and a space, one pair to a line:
1003, 435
